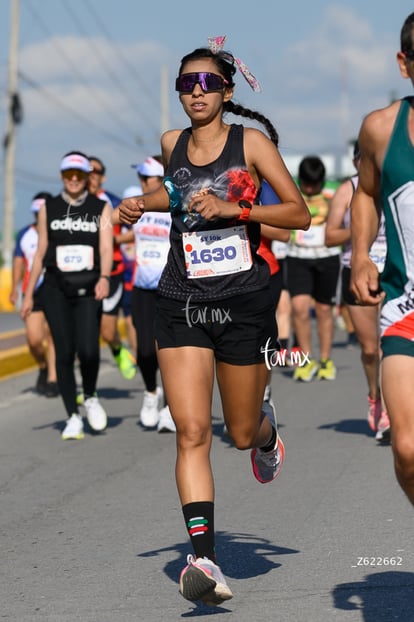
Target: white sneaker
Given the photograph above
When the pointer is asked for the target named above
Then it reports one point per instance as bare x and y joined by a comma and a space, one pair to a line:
203, 580
166, 422
149, 415
268, 464
383, 434
73, 428
95, 414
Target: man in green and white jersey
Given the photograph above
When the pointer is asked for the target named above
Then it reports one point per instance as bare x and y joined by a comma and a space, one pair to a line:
386, 183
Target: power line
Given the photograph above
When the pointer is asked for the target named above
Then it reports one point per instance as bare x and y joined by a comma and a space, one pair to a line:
125, 60
112, 75
97, 95
28, 175
24, 176
75, 113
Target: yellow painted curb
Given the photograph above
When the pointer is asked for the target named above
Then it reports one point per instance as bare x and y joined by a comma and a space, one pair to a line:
5, 289
18, 360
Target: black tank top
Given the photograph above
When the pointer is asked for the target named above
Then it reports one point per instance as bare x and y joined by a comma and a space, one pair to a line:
228, 178
70, 226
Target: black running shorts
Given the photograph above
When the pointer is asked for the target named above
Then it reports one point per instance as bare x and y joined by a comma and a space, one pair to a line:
37, 304
238, 329
315, 277
113, 303
347, 295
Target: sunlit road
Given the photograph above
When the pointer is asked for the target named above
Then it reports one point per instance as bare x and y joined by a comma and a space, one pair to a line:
92, 530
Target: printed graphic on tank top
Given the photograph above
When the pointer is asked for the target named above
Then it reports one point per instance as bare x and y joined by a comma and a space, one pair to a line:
397, 193
211, 259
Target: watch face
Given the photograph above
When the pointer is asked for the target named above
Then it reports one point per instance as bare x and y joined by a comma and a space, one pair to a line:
245, 204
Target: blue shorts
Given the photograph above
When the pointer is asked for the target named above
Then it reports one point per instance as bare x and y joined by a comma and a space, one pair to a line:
126, 302
238, 329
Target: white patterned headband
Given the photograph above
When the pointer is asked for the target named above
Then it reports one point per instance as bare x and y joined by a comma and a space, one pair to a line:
216, 44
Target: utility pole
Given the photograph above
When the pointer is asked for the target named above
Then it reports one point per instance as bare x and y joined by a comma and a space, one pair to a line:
9, 161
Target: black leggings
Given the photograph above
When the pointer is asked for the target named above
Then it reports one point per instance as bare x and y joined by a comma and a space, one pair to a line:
75, 327
143, 302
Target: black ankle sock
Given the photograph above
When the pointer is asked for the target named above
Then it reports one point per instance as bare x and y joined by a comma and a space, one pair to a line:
115, 350
199, 520
271, 444
284, 343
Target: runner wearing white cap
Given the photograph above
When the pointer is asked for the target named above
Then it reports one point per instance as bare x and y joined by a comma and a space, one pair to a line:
75, 249
151, 167
151, 236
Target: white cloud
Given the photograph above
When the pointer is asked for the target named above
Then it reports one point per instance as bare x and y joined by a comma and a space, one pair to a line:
316, 90
91, 57
341, 44
72, 83
326, 82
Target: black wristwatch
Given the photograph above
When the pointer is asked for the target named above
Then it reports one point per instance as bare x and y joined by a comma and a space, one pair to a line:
246, 206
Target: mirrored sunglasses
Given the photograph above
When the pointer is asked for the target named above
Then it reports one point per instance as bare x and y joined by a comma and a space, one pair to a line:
209, 82
70, 173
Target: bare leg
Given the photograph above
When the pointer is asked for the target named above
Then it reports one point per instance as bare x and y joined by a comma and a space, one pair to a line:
109, 330
365, 321
284, 315
325, 323
35, 335
301, 321
188, 376
398, 391
241, 389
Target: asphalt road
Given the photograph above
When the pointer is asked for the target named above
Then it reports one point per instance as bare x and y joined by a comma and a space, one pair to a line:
10, 321
92, 530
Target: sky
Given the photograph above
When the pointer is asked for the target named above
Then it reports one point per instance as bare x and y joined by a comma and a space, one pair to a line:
98, 76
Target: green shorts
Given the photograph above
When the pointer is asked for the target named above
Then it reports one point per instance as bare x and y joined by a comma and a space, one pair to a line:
396, 345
